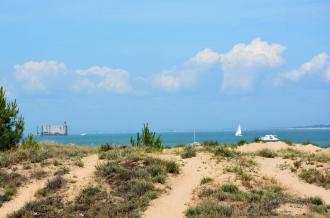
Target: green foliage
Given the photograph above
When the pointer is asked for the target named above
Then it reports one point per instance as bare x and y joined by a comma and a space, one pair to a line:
316, 176
206, 180
267, 153
52, 186
224, 151
9, 182
207, 209
30, 143
105, 147
147, 138
210, 143
231, 188
11, 123
188, 151
256, 140
242, 142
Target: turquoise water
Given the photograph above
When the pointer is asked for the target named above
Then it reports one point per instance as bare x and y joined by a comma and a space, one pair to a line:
320, 137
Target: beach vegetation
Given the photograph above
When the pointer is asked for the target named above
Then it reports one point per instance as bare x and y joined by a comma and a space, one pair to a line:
52, 186
242, 142
61, 171
39, 174
30, 143
224, 151
9, 182
257, 140
206, 180
105, 147
267, 153
288, 142
206, 209
316, 176
147, 138
210, 143
188, 152
11, 122
78, 162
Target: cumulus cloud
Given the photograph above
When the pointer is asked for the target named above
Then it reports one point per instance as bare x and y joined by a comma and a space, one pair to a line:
35, 75
319, 64
102, 78
240, 66
327, 74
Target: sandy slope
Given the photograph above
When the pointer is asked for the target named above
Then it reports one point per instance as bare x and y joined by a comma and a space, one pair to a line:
269, 167
81, 176
26, 193
276, 146
174, 202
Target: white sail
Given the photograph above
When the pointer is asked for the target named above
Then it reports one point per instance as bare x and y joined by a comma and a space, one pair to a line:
238, 131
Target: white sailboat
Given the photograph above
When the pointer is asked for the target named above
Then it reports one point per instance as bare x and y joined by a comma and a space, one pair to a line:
238, 131
195, 143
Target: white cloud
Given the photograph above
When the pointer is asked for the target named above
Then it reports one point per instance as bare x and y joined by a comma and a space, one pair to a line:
103, 78
206, 56
35, 75
240, 66
317, 65
175, 79
243, 62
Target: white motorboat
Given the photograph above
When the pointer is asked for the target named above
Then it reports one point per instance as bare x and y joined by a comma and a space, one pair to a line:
238, 131
269, 138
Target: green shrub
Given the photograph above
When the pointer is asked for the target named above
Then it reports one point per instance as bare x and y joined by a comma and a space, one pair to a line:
210, 143
316, 176
316, 200
188, 152
79, 163
267, 153
206, 180
30, 143
49, 207
172, 167
242, 142
210, 209
105, 147
39, 174
52, 186
231, 188
147, 139
224, 151
11, 122
256, 140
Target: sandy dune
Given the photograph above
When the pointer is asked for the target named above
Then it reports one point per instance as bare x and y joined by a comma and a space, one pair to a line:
269, 167
276, 146
26, 193
174, 202
81, 176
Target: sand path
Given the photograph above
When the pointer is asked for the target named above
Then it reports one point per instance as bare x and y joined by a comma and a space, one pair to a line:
174, 202
26, 193
81, 176
269, 167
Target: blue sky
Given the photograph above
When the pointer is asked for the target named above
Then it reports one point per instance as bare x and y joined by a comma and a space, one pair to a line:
110, 66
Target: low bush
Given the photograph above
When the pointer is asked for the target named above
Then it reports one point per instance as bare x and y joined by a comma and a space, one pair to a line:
267, 153
105, 147
39, 174
210, 143
207, 209
231, 188
188, 152
242, 142
316, 176
79, 163
224, 151
52, 186
30, 143
206, 180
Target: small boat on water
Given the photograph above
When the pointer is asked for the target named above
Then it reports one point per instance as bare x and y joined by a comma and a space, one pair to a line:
238, 131
195, 143
269, 138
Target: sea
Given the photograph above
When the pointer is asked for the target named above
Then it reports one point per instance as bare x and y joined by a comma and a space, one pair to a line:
319, 137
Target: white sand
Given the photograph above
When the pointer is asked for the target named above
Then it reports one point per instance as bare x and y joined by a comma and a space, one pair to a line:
269, 167
175, 201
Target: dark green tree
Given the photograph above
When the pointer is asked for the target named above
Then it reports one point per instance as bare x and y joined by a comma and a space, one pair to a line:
147, 138
11, 122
